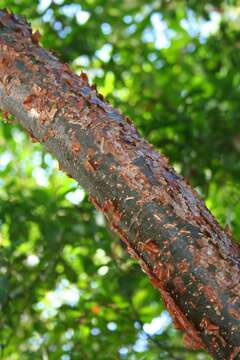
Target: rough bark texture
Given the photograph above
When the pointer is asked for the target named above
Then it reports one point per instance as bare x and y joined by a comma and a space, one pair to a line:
164, 224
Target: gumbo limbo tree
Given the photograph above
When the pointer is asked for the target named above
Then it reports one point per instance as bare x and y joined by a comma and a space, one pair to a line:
165, 226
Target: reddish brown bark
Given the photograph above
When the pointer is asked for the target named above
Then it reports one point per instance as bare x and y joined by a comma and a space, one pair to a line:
164, 224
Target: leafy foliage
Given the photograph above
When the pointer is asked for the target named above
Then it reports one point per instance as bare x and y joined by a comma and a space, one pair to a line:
67, 289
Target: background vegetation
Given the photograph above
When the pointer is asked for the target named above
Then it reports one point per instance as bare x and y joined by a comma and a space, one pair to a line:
67, 288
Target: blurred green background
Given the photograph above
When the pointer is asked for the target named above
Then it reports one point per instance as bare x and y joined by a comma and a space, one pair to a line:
67, 288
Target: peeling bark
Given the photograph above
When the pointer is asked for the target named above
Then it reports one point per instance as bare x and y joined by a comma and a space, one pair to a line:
166, 227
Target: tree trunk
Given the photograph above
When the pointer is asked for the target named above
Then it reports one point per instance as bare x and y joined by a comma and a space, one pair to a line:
164, 224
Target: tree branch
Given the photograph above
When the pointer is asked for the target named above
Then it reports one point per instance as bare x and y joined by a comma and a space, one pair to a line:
164, 224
